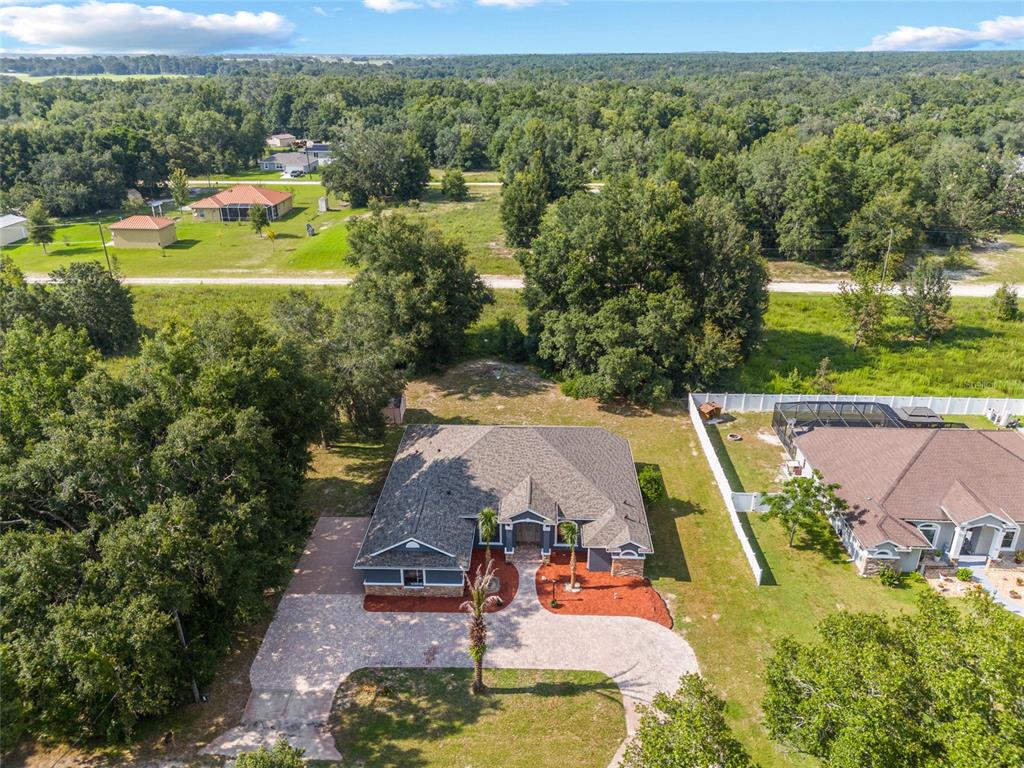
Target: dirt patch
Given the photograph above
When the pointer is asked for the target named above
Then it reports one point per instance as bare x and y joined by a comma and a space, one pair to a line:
1006, 581
602, 593
508, 580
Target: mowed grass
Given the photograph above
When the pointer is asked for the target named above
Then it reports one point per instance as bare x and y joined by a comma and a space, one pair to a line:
980, 356
753, 462
1001, 262
697, 564
426, 718
437, 174
210, 249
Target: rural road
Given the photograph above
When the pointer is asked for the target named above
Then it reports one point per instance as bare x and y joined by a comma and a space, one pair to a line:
311, 183
512, 282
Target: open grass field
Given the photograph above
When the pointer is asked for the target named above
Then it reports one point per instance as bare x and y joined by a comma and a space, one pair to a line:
477, 222
436, 174
1001, 261
753, 462
425, 718
249, 174
42, 78
209, 249
980, 356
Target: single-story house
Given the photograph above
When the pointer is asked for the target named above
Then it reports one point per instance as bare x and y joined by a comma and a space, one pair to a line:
12, 228
320, 151
143, 232
233, 204
424, 528
281, 140
955, 492
288, 162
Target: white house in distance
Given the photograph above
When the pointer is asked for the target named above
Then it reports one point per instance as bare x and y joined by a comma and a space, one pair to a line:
12, 228
319, 151
281, 140
287, 162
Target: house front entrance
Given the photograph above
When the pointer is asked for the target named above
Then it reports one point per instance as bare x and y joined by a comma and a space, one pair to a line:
528, 534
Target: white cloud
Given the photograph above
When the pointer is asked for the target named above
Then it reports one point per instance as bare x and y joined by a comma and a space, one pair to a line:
509, 3
391, 6
319, 11
129, 28
994, 32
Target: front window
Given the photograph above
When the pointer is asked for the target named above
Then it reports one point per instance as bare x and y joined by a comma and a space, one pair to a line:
412, 578
930, 532
1007, 542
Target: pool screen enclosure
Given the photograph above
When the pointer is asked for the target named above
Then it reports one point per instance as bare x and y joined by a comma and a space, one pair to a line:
792, 419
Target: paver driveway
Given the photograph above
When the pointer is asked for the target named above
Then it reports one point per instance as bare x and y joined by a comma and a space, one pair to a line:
317, 639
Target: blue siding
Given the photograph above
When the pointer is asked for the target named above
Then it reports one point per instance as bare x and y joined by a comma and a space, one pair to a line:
510, 538
438, 578
383, 576
598, 560
547, 538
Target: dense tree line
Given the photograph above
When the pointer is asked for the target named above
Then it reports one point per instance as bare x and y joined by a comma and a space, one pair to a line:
843, 157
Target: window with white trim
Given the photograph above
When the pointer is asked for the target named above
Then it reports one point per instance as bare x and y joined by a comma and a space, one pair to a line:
412, 577
1007, 542
930, 531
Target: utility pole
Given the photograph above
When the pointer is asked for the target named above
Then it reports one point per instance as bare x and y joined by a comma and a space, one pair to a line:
885, 263
181, 636
103, 242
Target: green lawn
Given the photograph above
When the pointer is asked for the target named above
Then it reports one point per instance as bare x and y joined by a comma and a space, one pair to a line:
477, 222
211, 249
980, 356
251, 174
426, 718
1001, 262
752, 463
436, 174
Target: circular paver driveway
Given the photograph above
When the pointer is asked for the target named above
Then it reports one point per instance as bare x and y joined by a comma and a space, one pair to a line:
317, 639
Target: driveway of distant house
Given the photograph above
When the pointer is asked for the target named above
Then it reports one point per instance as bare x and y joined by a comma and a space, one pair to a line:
318, 638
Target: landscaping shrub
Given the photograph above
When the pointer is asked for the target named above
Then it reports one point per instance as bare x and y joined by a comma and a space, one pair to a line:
651, 485
890, 577
964, 574
281, 755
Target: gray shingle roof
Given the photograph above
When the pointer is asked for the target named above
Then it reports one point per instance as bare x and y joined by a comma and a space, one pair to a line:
443, 475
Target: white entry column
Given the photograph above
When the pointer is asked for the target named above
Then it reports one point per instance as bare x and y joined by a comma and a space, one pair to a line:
956, 544
997, 539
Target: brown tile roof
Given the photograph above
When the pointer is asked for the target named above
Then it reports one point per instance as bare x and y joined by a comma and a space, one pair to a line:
892, 476
142, 222
243, 194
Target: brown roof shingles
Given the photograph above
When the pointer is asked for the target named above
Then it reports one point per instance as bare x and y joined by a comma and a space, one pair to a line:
890, 477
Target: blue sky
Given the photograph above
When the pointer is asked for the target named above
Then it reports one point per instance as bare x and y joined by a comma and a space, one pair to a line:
393, 27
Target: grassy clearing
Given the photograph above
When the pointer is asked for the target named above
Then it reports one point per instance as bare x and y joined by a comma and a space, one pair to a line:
799, 272
1002, 261
347, 476
477, 222
981, 356
752, 463
436, 174
41, 78
210, 249
425, 718
697, 565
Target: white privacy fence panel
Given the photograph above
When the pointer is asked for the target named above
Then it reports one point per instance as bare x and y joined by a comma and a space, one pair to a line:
728, 496
944, 406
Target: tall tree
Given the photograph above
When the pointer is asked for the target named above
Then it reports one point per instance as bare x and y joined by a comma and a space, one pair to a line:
86, 296
477, 604
40, 230
686, 729
376, 163
179, 187
926, 300
523, 202
570, 534
865, 301
419, 286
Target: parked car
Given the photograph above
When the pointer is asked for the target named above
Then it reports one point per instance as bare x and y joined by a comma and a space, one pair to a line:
296, 173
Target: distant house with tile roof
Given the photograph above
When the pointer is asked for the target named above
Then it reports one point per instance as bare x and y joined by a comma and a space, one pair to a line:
143, 232
424, 528
233, 204
958, 492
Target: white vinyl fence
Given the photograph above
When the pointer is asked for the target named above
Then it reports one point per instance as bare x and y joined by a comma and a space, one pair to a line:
944, 406
728, 495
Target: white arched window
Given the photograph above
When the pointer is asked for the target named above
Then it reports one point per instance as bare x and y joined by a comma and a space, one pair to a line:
930, 531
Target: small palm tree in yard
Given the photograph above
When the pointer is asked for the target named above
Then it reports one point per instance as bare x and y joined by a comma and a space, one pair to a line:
570, 535
488, 522
477, 605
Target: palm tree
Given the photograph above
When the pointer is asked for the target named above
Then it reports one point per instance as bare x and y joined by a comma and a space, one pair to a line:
488, 522
477, 605
570, 535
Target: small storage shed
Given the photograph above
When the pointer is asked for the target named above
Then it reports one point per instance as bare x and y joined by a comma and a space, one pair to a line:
394, 411
143, 232
709, 410
12, 228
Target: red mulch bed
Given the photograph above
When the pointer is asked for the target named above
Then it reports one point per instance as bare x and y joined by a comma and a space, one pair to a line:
602, 593
508, 581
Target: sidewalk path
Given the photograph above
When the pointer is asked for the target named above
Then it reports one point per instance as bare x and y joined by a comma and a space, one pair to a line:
317, 640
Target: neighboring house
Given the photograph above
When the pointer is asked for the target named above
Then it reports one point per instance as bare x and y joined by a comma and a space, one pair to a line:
12, 228
233, 204
281, 140
423, 531
958, 492
394, 411
143, 232
288, 162
320, 151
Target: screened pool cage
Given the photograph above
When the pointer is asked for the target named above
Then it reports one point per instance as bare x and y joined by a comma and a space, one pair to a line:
790, 420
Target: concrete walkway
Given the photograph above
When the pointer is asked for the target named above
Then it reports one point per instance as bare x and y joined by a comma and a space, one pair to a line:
979, 574
317, 640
